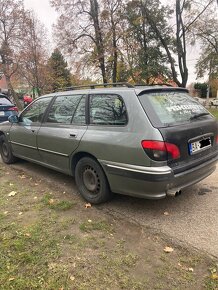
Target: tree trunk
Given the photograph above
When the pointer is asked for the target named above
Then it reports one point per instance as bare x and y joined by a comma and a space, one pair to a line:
13, 94
99, 40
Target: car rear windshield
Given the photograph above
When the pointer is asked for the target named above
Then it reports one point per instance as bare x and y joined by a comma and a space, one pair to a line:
170, 108
4, 101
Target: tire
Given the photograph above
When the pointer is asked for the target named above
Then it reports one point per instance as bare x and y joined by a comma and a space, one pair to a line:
6, 152
91, 181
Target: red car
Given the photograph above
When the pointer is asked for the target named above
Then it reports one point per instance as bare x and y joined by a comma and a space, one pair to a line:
27, 100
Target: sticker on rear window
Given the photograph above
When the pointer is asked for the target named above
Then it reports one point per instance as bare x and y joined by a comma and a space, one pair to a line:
191, 107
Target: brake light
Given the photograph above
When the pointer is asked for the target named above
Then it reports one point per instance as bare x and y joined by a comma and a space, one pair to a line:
217, 139
13, 109
160, 150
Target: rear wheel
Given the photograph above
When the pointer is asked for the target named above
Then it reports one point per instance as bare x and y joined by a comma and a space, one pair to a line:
6, 152
91, 181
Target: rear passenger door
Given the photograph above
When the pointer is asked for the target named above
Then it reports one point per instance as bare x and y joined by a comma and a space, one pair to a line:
60, 134
108, 131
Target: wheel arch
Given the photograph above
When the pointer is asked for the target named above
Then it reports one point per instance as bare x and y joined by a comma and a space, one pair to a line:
76, 157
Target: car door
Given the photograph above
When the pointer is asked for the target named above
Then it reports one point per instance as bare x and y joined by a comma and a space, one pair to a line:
60, 134
23, 135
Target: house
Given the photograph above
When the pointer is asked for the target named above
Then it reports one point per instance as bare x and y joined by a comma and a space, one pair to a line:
3, 85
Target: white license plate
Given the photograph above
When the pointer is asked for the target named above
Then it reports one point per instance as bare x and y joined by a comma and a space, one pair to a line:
2, 113
199, 145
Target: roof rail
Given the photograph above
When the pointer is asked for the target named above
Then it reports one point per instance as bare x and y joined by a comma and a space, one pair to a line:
93, 86
155, 84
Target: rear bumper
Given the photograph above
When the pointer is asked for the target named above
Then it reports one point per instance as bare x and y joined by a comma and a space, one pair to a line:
153, 182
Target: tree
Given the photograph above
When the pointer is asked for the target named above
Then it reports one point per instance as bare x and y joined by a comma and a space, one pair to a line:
33, 57
59, 74
187, 12
83, 35
206, 31
145, 58
12, 23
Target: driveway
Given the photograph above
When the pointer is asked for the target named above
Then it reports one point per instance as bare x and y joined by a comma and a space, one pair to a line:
191, 218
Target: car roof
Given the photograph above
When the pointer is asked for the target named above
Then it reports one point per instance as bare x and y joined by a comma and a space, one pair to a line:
138, 90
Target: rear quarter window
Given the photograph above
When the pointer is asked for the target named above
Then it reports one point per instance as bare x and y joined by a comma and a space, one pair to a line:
167, 108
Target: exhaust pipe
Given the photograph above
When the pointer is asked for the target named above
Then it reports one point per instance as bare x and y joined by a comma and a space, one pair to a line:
174, 193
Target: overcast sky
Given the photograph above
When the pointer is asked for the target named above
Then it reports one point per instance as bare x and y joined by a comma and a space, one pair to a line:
48, 16
43, 10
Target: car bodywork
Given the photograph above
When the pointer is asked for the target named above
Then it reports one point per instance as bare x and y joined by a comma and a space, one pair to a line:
118, 148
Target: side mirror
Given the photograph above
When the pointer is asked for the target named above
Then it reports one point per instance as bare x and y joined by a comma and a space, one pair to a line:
13, 119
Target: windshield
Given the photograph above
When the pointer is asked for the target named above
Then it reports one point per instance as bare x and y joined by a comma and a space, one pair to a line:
167, 108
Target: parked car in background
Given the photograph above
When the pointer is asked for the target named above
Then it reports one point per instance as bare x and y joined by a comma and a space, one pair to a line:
214, 102
6, 108
200, 100
144, 141
27, 100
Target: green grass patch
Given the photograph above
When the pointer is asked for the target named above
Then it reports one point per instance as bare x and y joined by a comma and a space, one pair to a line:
214, 112
89, 226
62, 205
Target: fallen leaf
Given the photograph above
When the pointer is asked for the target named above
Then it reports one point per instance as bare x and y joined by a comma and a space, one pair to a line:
12, 193
214, 276
72, 278
27, 234
166, 213
168, 249
11, 279
20, 213
88, 205
190, 269
36, 184
213, 270
52, 266
89, 221
22, 176
51, 201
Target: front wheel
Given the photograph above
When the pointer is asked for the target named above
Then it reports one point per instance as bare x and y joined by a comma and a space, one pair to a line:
91, 181
6, 152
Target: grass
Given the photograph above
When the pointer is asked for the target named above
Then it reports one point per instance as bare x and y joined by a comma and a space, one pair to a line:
214, 112
56, 243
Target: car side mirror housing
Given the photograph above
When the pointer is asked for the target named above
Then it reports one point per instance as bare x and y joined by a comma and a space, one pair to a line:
13, 119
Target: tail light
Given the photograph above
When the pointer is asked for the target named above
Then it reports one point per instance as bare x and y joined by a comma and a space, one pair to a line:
13, 109
217, 139
160, 150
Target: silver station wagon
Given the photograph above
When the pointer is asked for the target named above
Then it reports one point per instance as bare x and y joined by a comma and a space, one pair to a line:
144, 141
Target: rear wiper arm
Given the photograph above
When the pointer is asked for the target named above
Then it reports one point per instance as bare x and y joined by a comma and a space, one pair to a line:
199, 115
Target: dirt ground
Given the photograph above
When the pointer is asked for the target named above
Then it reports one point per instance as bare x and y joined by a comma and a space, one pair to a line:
52, 239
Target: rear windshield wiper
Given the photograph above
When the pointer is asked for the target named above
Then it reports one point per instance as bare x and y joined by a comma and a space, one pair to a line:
199, 115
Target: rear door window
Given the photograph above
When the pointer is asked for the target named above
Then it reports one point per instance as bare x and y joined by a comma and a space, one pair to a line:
107, 109
167, 108
63, 109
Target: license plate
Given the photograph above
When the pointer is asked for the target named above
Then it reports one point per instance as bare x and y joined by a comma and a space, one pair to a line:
199, 145
2, 113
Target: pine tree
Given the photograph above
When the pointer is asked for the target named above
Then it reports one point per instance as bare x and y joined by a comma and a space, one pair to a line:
60, 76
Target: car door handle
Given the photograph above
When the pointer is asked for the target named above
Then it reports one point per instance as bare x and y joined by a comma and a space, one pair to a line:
73, 135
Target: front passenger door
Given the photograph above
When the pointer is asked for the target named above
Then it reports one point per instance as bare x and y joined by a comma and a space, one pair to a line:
23, 135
